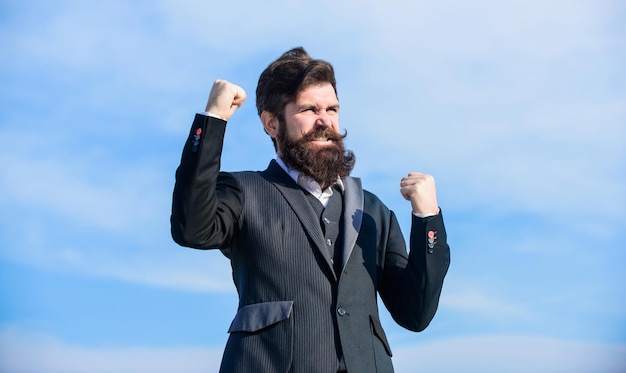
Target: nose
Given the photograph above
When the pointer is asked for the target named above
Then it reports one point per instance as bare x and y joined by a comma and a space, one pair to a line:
324, 120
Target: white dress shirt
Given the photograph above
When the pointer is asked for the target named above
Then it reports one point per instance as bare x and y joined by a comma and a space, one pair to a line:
309, 184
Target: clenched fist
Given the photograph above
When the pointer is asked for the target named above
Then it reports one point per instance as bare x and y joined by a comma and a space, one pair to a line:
420, 190
224, 99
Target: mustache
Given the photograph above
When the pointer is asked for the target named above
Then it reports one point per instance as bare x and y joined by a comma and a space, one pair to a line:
324, 164
325, 132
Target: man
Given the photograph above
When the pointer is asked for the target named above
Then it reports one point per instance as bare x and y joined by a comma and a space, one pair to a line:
309, 248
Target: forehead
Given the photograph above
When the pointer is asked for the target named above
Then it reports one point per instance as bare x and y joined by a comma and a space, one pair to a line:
317, 93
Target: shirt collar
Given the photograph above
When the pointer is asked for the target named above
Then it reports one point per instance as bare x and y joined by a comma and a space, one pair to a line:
308, 183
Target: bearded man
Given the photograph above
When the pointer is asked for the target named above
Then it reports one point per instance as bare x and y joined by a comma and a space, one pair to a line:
310, 250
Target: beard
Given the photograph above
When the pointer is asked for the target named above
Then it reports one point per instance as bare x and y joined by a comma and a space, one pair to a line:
323, 163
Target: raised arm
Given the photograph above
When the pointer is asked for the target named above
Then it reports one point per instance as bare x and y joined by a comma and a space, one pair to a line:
205, 202
411, 286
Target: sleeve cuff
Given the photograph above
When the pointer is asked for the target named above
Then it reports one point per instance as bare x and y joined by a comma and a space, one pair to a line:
426, 216
209, 114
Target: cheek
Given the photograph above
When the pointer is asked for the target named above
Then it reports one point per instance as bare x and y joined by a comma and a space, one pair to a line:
335, 123
291, 129
303, 127
296, 132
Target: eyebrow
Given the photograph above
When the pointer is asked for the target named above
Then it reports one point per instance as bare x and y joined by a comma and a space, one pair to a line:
314, 106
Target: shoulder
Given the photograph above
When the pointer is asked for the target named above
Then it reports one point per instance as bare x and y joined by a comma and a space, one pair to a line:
372, 199
244, 174
375, 208
251, 182
370, 202
242, 177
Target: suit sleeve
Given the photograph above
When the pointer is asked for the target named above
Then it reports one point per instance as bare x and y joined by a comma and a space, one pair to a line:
206, 203
411, 286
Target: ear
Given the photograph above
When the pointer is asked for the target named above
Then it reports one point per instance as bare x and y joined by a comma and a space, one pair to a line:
270, 123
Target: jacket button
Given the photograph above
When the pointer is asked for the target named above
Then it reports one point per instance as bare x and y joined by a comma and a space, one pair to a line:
341, 311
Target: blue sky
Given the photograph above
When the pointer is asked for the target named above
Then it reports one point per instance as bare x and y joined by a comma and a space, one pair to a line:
517, 108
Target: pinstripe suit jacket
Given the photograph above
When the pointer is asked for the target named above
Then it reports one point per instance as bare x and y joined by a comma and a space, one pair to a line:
293, 308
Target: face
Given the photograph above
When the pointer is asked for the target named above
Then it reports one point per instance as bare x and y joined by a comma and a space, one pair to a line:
315, 107
309, 140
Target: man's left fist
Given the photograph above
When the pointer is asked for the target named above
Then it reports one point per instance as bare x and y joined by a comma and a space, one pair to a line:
420, 190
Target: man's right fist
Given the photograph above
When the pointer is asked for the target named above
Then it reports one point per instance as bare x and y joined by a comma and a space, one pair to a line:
224, 99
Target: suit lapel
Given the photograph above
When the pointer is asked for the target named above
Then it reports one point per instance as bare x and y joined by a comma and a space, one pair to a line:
295, 197
352, 215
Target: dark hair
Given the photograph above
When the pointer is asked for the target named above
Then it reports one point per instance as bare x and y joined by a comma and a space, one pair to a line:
282, 81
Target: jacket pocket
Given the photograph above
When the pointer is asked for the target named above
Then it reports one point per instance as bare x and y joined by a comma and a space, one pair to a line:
254, 317
377, 328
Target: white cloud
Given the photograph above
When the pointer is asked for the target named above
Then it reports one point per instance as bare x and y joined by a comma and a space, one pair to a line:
498, 102
475, 301
23, 352
120, 203
106, 219
119, 44
158, 262
511, 354
178, 269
